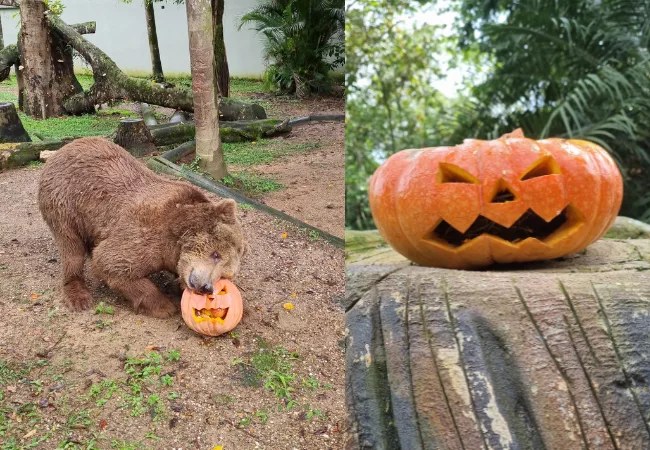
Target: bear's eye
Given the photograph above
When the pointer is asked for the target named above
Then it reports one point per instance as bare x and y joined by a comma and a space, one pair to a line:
216, 257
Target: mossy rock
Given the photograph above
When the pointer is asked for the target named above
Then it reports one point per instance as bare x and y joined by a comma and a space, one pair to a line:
627, 228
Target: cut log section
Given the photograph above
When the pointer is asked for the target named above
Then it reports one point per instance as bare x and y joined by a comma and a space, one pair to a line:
135, 137
552, 355
11, 128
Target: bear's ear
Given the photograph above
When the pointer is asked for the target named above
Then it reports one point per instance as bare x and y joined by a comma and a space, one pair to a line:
226, 211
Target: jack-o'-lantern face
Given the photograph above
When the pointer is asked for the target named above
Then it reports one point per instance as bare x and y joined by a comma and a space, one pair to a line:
213, 314
508, 200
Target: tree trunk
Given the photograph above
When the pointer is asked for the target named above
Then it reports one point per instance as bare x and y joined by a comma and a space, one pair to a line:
11, 128
221, 72
48, 73
206, 117
550, 355
4, 73
36, 57
156, 65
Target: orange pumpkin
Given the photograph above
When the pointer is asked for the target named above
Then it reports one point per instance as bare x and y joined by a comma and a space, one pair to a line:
215, 313
508, 200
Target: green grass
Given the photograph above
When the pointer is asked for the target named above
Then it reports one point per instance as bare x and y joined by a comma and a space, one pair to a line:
73, 126
100, 124
251, 183
263, 151
245, 181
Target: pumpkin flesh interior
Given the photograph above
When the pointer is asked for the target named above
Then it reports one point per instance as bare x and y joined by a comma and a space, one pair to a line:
529, 225
211, 314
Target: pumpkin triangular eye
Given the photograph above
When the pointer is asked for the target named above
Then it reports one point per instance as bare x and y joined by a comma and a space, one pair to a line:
546, 165
449, 173
223, 291
503, 194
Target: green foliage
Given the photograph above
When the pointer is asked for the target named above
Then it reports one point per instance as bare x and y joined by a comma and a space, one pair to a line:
390, 69
571, 69
303, 38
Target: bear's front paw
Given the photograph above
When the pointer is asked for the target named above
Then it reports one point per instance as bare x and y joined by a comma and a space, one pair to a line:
77, 298
161, 309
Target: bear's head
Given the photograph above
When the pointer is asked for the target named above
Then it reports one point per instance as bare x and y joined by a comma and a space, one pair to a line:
212, 244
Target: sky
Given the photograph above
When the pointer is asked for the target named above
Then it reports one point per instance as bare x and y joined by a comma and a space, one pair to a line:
452, 83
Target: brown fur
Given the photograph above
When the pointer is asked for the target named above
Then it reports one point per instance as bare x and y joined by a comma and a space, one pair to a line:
97, 199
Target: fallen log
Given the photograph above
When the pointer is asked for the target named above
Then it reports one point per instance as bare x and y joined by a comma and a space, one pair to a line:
177, 153
548, 355
113, 84
178, 116
239, 131
16, 154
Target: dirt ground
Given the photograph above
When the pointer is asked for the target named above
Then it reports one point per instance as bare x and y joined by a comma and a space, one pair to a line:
70, 379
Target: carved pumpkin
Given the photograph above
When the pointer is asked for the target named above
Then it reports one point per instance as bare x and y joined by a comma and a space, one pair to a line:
508, 200
215, 313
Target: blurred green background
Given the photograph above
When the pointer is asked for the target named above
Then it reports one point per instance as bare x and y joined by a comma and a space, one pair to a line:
430, 73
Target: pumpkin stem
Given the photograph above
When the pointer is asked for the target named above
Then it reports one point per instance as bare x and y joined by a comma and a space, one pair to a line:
518, 133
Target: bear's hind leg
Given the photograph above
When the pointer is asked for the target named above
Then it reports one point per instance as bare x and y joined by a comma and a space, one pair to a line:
73, 256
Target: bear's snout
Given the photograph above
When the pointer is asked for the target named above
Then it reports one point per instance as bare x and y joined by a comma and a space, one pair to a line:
199, 284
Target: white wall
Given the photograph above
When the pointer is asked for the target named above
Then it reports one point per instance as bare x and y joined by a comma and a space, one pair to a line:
122, 34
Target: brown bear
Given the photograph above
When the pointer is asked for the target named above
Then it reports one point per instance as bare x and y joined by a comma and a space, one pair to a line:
98, 199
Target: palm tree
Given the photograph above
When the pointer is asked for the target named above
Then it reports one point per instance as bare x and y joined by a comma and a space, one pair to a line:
575, 68
303, 41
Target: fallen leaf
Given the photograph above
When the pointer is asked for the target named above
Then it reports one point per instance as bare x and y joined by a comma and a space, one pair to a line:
102, 424
30, 434
288, 306
34, 296
293, 295
254, 142
284, 235
152, 348
218, 447
330, 185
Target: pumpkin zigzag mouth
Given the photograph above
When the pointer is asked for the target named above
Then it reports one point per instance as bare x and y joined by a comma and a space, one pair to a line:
211, 314
529, 225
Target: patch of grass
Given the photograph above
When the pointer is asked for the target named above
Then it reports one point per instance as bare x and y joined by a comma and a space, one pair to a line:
245, 86
251, 183
242, 206
10, 372
194, 166
10, 97
125, 445
103, 308
10, 82
263, 151
77, 126
270, 367
122, 113
173, 355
